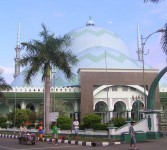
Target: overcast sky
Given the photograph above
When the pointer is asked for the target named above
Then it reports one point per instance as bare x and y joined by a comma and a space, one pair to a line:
62, 16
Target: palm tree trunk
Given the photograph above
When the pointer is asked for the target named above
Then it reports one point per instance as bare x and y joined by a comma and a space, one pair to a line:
47, 101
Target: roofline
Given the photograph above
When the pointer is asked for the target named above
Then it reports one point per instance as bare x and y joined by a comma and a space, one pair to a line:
115, 70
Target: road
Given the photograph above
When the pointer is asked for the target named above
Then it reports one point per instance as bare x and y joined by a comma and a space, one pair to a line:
12, 144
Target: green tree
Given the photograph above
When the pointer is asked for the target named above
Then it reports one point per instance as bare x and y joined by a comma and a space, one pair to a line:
42, 55
3, 86
21, 116
59, 106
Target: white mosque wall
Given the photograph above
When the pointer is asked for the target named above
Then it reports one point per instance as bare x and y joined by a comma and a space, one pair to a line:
138, 127
112, 97
162, 89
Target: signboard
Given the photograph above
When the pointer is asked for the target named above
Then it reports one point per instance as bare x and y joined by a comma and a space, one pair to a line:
53, 116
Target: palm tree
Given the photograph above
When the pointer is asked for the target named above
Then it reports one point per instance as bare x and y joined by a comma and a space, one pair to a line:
154, 1
164, 35
42, 55
3, 86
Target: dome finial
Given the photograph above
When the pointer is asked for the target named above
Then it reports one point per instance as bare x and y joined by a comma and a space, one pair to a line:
90, 22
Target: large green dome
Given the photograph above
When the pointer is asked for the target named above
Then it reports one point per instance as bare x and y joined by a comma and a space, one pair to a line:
94, 47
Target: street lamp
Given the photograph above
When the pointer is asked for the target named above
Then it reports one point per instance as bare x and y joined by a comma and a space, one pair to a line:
143, 43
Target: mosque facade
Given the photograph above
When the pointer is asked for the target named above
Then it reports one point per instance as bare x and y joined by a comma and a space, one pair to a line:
107, 80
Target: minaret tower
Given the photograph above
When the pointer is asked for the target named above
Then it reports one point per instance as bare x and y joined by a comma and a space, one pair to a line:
139, 45
17, 49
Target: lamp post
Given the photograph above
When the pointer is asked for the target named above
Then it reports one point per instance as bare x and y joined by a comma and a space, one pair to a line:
143, 43
15, 112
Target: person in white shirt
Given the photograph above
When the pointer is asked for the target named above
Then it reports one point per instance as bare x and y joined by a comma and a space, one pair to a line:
22, 130
76, 127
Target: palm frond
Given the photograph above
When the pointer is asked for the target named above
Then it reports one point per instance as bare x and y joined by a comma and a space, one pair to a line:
154, 1
3, 86
164, 39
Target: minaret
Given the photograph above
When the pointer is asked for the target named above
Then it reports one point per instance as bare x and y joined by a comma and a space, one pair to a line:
139, 44
17, 49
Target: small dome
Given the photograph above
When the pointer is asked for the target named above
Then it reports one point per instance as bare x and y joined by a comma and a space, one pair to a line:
90, 22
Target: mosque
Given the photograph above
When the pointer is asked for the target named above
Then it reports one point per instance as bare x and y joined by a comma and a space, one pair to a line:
107, 80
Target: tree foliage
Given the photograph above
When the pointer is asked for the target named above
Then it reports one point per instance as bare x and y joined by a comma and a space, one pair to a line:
20, 116
90, 120
42, 56
64, 122
154, 1
3, 86
59, 106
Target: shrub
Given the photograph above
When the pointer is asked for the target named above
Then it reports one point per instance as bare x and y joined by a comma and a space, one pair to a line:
64, 122
4, 125
100, 126
118, 121
65, 126
90, 120
2, 119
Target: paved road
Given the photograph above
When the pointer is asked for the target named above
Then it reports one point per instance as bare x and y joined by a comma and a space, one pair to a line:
12, 144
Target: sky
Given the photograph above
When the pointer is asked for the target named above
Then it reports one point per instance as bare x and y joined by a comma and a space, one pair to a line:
62, 16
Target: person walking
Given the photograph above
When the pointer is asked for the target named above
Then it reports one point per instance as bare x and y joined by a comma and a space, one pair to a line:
40, 131
55, 133
76, 127
132, 136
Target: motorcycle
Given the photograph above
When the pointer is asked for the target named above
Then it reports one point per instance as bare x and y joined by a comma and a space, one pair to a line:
24, 138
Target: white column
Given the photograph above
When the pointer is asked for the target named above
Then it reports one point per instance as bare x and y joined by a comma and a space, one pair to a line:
111, 114
75, 106
129, 114
23, 105
110, 108
152, 120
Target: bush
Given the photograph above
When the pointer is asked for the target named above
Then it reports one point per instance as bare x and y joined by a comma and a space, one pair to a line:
100, 126
4, 125
82, 127
64, 122
2, 119
65, 126
90, 120
118, 121
11, 125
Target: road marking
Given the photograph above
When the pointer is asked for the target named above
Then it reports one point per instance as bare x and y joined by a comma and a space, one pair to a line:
55, 147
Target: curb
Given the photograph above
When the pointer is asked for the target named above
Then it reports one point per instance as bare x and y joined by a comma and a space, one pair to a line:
73, 142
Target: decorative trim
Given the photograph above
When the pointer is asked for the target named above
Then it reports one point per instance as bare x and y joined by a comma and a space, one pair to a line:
66, 141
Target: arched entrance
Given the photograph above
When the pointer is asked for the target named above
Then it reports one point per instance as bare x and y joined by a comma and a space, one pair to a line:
119, 109
17, 106
151, 93
30, 106
136, 113
69, 108
101, 109
4, 108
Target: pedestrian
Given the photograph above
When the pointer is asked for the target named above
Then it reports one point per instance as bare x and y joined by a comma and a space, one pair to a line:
55, 133
23, 130
76, 127
40, 131
132, 136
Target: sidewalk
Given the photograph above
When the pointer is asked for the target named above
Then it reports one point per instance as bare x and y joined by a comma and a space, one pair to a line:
160, 144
